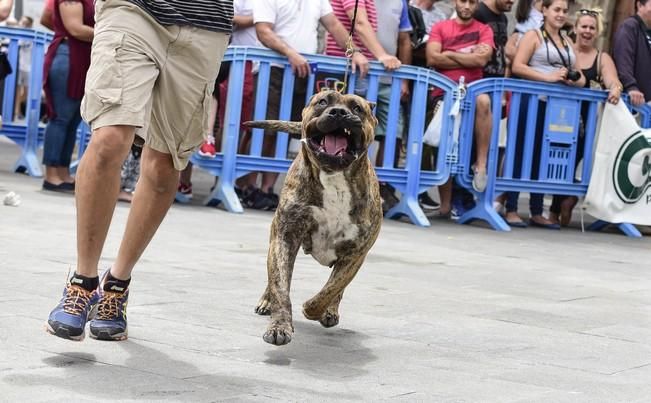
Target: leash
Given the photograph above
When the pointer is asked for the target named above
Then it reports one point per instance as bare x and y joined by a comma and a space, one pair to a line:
350, 47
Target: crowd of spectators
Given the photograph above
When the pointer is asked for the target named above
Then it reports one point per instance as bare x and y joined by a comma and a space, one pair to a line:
462, 38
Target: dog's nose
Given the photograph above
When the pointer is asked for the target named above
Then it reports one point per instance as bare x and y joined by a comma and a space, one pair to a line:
338, 112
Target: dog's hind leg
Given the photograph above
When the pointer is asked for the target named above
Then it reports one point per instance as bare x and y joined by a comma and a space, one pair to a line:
330, 317
280, 264
324, 306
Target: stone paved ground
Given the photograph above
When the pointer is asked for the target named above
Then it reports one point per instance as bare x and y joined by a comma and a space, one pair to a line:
447, 313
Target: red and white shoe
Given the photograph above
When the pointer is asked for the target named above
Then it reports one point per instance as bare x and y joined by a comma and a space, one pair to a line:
208, 149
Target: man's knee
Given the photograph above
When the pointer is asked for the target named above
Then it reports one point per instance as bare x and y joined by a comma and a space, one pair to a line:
158, 169
110, 144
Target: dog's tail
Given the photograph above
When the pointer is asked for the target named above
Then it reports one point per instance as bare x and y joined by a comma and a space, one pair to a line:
277, 126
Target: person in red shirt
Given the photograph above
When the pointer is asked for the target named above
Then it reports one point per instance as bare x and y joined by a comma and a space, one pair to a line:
461, 47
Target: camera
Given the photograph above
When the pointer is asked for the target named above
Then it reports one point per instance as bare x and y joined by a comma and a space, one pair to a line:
573, 75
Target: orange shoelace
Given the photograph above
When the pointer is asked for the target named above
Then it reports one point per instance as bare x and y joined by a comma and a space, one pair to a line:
77, 299
107, 309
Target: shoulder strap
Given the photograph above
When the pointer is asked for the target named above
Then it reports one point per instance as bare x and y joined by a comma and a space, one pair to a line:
599, 65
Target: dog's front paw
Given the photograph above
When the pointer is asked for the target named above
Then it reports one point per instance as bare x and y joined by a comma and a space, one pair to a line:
329, 319
278, 334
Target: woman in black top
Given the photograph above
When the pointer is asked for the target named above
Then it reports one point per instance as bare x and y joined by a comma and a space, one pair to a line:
600, 73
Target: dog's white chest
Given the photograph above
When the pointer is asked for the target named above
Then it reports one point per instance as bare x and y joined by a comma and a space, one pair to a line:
333, 219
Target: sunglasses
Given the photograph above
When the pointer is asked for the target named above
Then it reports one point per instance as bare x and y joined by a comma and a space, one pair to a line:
585, 11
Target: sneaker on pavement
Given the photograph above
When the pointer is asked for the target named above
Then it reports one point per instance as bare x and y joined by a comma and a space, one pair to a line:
183, 193
257, 199
426, 202
389, 198
208, 148
110, 321
68, 319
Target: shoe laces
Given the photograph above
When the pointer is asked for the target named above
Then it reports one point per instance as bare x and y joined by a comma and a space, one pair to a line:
109, 306
77, 300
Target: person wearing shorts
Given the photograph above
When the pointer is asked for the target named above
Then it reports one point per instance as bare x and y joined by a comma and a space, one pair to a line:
153, 69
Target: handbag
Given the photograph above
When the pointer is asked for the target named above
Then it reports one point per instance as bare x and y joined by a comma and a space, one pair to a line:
432, 135
5, 66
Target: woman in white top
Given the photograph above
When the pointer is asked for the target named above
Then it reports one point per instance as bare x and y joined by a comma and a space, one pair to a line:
543, 54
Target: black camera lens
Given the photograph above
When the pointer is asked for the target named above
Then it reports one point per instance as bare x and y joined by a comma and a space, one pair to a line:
573, 75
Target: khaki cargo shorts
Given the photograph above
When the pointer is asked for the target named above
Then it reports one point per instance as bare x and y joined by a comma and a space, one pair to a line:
156, 78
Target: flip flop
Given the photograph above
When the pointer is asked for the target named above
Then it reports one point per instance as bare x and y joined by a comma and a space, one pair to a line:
546, 226
517, 224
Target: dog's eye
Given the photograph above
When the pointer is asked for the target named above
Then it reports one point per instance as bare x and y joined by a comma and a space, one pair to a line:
323, 102
357, 108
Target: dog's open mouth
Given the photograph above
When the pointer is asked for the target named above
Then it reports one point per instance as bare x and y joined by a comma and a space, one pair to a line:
338, 147
336, 143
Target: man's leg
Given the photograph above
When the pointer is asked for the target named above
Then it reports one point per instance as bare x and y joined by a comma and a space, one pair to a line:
97, 188
483, 127
153, 197
98, 184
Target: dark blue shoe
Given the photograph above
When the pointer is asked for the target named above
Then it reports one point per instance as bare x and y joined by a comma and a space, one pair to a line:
110, 321
68, 319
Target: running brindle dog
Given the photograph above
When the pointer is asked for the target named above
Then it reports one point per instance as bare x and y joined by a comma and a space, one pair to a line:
330, 205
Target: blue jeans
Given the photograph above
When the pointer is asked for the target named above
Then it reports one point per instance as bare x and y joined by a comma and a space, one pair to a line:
61, 132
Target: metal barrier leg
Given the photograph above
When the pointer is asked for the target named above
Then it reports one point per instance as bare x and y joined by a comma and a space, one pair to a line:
409, 206
29, 163
484, 210
627, 228
225, 191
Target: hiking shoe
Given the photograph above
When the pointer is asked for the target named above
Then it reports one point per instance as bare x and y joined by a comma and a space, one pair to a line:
208, 148
257, 199
68, 319
426, 202
110, 321
274, 198
389, 199
183, 193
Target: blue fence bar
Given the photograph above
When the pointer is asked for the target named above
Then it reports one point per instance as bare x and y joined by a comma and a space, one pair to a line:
28, 135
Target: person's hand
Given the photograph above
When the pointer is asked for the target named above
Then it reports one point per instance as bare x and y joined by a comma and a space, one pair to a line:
404, 90
558, 75
390, 62
359, 61
481, 49
637, 97
614, 93
300, 66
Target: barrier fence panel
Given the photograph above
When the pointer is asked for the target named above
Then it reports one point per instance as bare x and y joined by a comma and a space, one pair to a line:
549, 129
27, 134
380, 86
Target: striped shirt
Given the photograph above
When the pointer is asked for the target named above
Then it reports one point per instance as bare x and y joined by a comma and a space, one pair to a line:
340, 7
213, 15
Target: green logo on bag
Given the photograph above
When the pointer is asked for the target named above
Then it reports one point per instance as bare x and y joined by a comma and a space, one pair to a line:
632, 169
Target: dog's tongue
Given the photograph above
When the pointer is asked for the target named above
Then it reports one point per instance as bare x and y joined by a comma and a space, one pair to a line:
334, 144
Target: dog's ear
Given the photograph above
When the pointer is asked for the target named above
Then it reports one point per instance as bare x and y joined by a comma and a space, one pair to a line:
276, 125
371, 105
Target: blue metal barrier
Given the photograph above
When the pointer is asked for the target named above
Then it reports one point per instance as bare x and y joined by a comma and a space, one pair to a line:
558, 145
409, 180
25, 134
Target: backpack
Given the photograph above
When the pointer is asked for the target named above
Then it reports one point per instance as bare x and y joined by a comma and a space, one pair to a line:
418, 34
